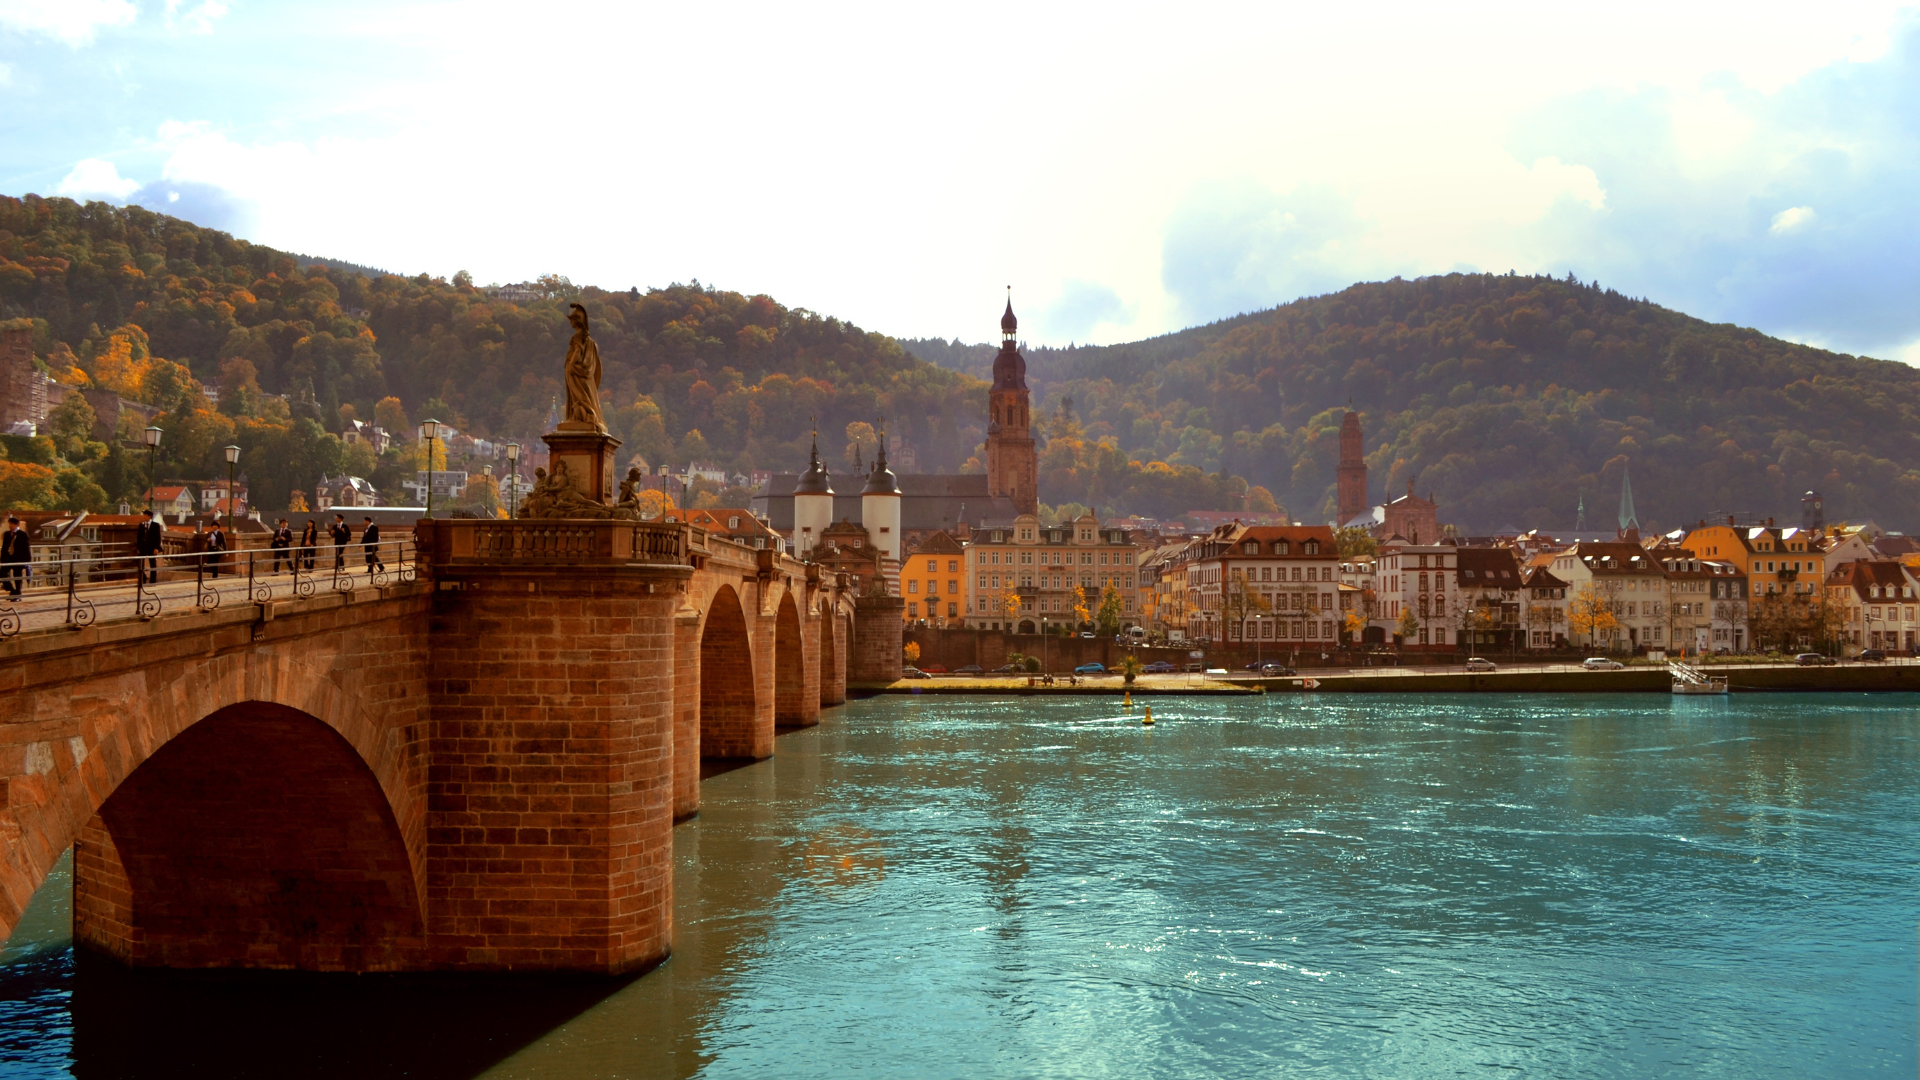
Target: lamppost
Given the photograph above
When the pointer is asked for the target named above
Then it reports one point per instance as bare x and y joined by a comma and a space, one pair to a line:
153, 446
233, 455
429, 431
487, 471
513, 481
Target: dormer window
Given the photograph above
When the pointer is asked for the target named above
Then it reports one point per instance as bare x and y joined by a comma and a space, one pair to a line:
1312, 547
1280, 547
733, 522
1252, 547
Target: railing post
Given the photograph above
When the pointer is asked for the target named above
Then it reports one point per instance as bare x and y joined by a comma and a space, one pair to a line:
68, 567
199, 575
250, 594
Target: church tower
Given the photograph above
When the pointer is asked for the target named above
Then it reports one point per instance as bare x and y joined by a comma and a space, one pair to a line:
1352, 474
1012, 470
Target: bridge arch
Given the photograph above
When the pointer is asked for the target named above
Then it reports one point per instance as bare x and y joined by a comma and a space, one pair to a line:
729, 707
98, 739
829, 651
790, 667
257, 837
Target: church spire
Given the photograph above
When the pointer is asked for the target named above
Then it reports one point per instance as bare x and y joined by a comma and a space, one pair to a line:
1627, 516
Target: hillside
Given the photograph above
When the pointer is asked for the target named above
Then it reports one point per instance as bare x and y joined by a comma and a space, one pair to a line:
150, 305
1510, 398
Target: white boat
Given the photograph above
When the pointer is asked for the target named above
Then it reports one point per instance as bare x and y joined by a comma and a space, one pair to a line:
1691, 680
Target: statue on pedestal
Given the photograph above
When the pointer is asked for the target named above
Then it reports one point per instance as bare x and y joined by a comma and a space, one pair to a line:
579, 481
583, 377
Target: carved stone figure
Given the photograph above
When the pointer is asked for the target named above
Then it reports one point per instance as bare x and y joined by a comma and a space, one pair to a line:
630, 488
554, 496
583, 377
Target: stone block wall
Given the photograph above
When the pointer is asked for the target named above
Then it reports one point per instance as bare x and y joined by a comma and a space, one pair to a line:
878, 635
550, 795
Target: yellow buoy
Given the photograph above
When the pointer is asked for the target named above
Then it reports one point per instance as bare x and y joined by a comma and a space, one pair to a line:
1128, 703
1148, 720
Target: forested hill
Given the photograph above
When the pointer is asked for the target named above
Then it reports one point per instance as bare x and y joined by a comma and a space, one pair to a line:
1510, 398
147, 304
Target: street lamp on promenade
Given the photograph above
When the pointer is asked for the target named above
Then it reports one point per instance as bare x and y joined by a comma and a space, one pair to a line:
430, 431
513, 480
487, 471
153, 446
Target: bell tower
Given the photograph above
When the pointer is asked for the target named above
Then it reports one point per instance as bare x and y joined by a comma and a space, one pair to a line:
1351, 497
1012, 470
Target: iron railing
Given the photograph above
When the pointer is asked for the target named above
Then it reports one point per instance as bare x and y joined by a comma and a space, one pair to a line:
113, 582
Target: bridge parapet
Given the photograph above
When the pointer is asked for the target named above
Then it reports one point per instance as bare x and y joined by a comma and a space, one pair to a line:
626, 543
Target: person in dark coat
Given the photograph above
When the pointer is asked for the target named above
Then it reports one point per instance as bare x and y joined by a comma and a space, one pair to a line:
309, 539
16, 555
370, 539
282, 546
147, 538
216, 548
342, 534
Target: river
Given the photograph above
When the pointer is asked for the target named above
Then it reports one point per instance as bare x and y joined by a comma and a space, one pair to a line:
1381, 886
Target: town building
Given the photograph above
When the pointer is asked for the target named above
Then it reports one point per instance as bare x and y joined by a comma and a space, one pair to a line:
1024, 576
1490, 598
1545, 615
1875, 604
1690, 607
337, 491
739, 526
933, 580
1266, 583
1618, 594
175, 499
1419, 593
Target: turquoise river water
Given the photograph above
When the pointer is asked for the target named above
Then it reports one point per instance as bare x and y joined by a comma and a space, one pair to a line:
1297, 886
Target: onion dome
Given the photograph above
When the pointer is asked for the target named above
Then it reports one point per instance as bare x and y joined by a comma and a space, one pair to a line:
1009, 324
881, 480
815, 480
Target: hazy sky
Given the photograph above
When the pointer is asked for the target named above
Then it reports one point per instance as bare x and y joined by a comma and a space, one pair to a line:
1127, 169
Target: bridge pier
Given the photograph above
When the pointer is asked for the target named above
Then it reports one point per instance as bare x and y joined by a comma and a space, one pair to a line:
551, 787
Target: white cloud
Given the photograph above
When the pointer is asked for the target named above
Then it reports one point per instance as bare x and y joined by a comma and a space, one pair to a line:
197, 19
95, 178
1790, 219
72, 21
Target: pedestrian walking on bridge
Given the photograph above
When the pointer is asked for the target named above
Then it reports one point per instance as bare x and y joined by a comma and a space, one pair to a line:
282, 546
16, 554
146, 543
370, 539
342, 534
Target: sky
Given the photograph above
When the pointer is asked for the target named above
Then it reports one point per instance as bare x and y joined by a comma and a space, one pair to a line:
1127, 170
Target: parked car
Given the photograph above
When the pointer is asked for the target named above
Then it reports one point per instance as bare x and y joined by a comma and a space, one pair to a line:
1158, 667
1475, 663
1601, 663
1196, 668
1088, 634
1814, 659
1095, 668
1873, 654
970, 669
1275, 669
1009, 669
914, 673
1256, 665
934, 669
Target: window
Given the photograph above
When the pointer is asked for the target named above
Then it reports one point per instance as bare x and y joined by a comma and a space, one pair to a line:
953, 566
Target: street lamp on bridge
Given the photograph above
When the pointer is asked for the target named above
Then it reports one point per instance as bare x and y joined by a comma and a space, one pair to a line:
430, 431
513, 480
233, 456
153, 446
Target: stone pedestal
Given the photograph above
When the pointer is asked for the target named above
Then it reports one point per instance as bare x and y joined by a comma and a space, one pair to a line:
589, 458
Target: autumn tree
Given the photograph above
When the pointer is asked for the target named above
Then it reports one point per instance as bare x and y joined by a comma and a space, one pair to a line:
1108, 615
1590, 614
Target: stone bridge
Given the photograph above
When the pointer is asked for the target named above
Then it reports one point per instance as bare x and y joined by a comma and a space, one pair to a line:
479, 769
